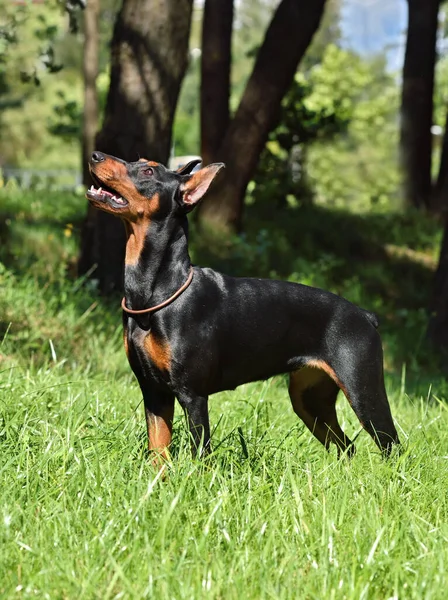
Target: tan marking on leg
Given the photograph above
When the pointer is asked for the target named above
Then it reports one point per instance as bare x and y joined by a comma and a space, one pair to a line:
159, 351
321, 364
324, 366
299, 381
321, 419
160, 428
125, 341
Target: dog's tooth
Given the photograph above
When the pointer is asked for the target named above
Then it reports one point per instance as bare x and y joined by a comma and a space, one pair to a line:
92, 189
100, 190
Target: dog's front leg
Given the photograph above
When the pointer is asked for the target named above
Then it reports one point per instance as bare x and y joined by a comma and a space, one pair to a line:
196, 412
159, 412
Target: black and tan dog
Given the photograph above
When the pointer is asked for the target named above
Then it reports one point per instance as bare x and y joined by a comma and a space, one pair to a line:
190, 332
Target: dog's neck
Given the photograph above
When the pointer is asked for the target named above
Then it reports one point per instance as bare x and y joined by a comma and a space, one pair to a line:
157, 262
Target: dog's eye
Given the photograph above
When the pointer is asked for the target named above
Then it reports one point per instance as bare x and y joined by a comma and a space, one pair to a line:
148, 171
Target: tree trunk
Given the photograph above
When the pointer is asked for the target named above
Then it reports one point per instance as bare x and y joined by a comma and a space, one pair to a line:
440, 196
215, 75
90, 122
417, 101
90, 74
438, 319
287, 38
149, 56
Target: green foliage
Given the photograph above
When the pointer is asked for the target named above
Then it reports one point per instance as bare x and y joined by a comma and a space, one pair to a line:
334, 94
186, 128
8, 39
40, 123
66, 120
440, 92
31, 32
31, 59
336, 138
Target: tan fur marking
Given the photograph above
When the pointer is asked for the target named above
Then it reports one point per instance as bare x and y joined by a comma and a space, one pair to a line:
305, 378
159, 432
299, 381
114, 175
160, 429
135, 234
125, 341
151, 163
137, 202
321, 364
159, 352
136, 231
324, 426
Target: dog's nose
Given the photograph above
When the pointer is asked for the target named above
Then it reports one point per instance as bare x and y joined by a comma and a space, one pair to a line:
97, 157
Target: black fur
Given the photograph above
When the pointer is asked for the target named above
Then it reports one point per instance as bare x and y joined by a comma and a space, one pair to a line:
223, 331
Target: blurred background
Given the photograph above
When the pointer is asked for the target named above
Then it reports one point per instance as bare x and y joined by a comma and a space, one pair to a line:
329, 114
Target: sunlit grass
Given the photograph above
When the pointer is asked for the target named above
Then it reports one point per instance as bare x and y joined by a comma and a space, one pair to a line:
270, 514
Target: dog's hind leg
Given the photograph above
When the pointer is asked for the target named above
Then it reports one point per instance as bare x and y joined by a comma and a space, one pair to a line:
367, 396
313, 395
361, 378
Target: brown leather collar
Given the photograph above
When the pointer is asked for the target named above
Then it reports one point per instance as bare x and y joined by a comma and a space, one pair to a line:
162, 304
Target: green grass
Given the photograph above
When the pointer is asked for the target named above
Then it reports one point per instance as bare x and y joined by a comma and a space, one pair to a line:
269, 515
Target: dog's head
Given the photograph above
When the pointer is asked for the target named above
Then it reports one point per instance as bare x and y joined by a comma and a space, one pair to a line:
145, 189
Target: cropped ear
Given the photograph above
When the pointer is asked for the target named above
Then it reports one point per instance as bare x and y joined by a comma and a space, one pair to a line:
193, 188
187, 168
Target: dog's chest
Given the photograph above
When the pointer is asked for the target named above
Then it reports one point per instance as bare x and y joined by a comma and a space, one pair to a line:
148, 353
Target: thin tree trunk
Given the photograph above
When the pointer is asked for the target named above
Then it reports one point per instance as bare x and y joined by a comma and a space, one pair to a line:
90, 121
417, 101
438, 320
149, 53
215, 75
90, 74
440, 196
287, 38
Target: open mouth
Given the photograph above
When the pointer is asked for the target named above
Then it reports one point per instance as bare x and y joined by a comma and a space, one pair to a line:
106, 195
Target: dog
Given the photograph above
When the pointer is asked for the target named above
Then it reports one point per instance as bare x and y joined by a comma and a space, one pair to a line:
190, 331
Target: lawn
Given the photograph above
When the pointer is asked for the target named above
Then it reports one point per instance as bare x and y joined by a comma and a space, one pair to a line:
269, 515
